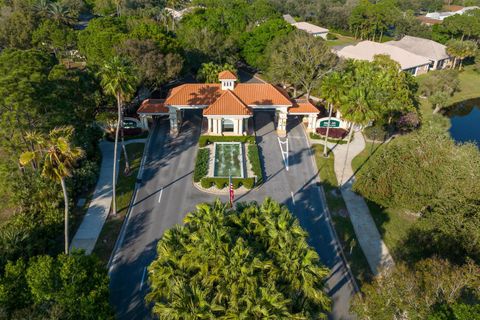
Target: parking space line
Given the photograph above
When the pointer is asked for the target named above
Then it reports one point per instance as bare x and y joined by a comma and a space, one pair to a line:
160, 195
143, 277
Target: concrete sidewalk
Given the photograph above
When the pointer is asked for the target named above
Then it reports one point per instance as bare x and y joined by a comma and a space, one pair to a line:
93, 221
369, 238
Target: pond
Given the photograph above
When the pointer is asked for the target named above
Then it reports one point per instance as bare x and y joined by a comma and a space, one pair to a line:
465, 120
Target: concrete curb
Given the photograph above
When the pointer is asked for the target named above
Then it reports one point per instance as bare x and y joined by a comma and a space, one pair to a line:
121, 235
333, 232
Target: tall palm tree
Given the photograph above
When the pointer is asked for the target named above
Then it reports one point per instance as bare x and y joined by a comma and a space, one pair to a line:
358, 104
331, 91
42, 8
59, 158
460, 50
117, 79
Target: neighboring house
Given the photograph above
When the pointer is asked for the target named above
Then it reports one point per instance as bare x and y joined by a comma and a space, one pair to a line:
312, 29
227, 106
428, 21
433, 51
451, 10
288, 18
367, 50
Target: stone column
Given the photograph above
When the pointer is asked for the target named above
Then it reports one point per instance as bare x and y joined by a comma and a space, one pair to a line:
144, 120
172, 115
312, 118
240, 126
214, 126
282, 123
235, 126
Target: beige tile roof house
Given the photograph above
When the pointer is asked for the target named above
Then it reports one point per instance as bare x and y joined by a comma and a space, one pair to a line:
367, 50
434, 51
312, 29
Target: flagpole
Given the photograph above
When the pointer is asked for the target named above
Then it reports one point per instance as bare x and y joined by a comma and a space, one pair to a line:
230, 188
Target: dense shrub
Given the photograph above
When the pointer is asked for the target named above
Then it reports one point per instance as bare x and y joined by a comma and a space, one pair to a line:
201, 164
376, 132
408, 122
254, 158
84, 177
331, 36
221, 183
319, 137
335, 133
205, 140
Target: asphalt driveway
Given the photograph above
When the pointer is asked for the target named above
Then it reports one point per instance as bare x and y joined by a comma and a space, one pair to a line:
167, 194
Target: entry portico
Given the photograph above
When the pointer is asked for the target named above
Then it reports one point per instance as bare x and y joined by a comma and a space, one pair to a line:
227, 106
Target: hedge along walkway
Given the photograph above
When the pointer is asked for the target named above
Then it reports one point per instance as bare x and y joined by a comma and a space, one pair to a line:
92, 224
375, 250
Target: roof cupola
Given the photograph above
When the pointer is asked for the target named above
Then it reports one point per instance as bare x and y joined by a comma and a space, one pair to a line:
227, 79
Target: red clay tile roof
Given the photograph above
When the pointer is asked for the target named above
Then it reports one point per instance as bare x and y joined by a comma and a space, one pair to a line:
261, 94
426, 20
205, 94
452, 8
302, 107
227, 104
227, 75
153, 106
194, 94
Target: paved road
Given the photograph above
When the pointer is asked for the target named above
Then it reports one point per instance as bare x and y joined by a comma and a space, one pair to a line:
167, 195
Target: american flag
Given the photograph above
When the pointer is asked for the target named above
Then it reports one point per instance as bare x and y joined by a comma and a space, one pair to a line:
231, 192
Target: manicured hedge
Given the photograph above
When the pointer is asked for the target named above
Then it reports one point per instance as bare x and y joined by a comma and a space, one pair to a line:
201, 164
221, 183
205, 140
335, 133
254, 158
319, 137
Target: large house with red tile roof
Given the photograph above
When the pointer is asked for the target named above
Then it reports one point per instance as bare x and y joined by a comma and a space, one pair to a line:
228, 105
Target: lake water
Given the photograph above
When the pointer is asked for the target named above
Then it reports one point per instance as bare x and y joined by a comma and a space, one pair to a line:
465, 119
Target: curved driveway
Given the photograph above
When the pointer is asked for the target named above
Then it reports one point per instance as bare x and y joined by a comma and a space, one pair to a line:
167, 194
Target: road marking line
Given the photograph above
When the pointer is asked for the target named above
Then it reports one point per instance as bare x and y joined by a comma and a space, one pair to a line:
143, 278
293, 197
160, 196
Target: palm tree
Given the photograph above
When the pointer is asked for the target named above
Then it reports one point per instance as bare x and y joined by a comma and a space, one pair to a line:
358, 103
60, 13
117, 79
59, 158
42, 8
331, 91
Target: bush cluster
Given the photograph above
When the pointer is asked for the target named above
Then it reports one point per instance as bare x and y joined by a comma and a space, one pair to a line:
221, 183
376, 132
201, 164
206, 140
335, 133
331, 36
254, 158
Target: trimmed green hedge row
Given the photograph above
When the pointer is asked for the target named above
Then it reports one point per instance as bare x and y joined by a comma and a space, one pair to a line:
221, 183
201, 164
319, 137
205, 140
254, 158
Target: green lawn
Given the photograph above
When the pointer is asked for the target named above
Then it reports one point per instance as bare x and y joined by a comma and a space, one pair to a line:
341, 41
125, 186
392, 223
343, 226
469, 87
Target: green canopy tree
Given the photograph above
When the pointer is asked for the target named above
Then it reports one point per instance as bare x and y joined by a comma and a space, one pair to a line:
208, 72
57, 157
118, 80
416, 292
252, 262
307, 58
460, 50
